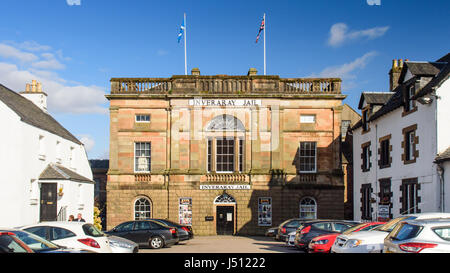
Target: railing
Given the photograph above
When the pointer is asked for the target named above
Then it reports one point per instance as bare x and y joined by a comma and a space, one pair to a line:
225, 85
225, 177
143, 177
62, 214
307, 177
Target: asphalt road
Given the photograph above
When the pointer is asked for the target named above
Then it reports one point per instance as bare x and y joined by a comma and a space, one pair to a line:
226, 244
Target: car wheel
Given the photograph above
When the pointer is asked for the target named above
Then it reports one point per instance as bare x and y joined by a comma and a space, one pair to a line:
156, 242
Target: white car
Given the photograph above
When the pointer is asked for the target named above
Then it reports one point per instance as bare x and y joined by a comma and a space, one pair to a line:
78, 235
122, 245
419, 236
373, 241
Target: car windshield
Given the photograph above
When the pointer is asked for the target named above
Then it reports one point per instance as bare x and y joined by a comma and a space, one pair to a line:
91, 230
350, 230
35, 242
389, 226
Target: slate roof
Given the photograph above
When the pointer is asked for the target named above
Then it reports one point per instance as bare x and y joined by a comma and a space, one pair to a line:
33, 115
58, 172
439, 70
99, 163
378, 98
444, 156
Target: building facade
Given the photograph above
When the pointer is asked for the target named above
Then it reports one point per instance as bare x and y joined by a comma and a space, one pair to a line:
45, 170
397, 141
225, 154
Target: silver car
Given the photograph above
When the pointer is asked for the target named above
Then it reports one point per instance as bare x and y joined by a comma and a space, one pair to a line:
122, 245
419, 236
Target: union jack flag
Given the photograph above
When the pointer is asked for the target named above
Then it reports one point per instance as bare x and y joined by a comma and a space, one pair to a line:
261, 28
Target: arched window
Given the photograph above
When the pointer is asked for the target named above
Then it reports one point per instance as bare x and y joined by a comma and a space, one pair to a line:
308, 208
225, 123
142, 209
224, 199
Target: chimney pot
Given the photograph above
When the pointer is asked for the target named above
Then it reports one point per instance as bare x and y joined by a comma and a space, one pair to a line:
33, 86
400, 63
252, 72
28, 88
195, 71
39, 87
394, 63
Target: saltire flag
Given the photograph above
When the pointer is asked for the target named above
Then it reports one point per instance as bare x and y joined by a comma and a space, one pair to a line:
261, 28
181, 31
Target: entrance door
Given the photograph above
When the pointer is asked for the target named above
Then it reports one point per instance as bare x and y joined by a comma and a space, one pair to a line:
48, 202
225, 220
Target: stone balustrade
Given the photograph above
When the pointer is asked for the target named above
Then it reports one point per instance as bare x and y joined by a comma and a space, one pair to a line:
223, 84
226, 177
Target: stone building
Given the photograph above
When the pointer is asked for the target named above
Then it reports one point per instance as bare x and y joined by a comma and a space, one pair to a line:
225, 154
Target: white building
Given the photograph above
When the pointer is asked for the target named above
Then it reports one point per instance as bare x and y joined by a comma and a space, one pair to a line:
44, 170
398, 145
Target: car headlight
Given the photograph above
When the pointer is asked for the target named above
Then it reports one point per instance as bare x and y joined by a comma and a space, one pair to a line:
119, 244
353, 243
321, 242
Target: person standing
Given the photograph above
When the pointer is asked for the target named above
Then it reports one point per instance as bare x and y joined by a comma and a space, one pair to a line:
79, 218
71, 218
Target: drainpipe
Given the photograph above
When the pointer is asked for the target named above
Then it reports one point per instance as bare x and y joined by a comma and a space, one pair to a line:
440, 170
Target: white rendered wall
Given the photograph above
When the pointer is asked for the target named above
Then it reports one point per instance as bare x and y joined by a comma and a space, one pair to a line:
21, 165
424, 168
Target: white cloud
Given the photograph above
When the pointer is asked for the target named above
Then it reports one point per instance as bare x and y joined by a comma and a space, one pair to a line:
49, 62
87, 141
64, 96
339, 34
10, 52
78, 99
33, 46
73, 2
162, 52
346, 71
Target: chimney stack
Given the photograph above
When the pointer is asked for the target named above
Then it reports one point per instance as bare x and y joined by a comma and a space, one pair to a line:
34, 93
394, 73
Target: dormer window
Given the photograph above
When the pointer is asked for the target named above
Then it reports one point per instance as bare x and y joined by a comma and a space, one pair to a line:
365, 117
410, 104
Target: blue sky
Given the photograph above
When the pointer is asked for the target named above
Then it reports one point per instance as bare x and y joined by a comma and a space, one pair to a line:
74, 47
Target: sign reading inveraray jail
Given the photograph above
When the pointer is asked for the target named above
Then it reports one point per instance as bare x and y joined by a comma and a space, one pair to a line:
224, 102
225, 187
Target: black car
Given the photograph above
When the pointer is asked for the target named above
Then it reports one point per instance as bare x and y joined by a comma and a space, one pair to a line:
287, 227
147, 233
184, 232
313, 228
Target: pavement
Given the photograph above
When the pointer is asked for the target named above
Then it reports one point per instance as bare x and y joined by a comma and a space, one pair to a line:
226, 244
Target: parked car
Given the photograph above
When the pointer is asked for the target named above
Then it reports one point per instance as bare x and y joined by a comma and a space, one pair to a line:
287, 227
373, 241
271, 232
323, 243
313, 228
122, 245
146, 233
9, 243
419, 236
184, 232
78, 235
38, 244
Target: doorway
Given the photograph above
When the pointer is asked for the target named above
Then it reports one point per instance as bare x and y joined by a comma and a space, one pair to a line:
48, 209
225, 220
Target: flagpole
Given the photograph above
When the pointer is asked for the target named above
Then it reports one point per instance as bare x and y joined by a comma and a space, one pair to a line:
185, 55
265, 25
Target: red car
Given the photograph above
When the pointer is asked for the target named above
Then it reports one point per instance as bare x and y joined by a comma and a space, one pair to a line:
323, 243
